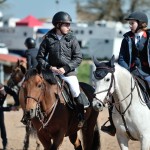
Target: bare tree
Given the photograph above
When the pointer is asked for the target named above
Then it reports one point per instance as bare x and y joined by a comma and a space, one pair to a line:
2, 1
114, 10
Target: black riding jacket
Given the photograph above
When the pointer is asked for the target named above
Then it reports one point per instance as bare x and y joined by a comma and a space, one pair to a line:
59, 53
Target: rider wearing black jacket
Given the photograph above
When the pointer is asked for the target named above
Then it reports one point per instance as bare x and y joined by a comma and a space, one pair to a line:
60, 52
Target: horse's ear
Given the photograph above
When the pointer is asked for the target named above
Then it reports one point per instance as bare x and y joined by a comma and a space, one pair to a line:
96, 62
18, 62
23, 69
112, 61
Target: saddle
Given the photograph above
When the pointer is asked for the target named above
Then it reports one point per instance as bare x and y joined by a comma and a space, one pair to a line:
143, 84
66, 93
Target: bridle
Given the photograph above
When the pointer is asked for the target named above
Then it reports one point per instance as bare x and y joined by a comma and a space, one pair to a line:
41, 115
110, 70
108, 95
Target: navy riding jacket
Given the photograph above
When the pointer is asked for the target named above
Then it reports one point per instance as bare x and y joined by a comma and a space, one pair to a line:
31, 57
126, 51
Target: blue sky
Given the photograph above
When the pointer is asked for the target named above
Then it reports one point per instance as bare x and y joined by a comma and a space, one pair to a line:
38, 8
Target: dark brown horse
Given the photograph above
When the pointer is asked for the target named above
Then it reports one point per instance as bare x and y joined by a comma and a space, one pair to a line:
50, 115
17, 74
15, 81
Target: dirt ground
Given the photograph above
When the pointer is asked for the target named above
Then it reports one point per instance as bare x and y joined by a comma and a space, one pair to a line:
16, 132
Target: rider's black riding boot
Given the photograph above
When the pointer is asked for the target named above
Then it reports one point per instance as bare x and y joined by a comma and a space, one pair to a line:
80, 109
111, 130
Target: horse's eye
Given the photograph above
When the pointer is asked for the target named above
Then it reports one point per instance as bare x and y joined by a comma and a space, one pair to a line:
107, 79
39, 85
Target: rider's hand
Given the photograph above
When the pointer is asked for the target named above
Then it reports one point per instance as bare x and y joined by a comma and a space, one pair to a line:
61, 70
56, 70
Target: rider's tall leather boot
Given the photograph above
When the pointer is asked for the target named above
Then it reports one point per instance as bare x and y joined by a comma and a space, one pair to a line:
110, 129
80, 109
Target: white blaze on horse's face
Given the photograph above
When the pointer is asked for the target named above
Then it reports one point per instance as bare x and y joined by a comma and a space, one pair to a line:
102, 88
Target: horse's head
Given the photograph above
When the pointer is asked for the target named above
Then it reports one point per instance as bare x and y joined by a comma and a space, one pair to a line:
17, 74
104, 78
39, 89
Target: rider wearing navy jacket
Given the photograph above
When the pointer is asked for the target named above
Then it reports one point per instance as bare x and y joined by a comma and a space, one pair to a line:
134, 52
31, 53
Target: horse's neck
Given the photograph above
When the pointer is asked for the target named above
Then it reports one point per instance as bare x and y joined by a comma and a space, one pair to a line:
49, 97
125, 89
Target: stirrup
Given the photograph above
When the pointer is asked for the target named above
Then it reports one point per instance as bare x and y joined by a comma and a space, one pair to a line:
105, 123
111, 130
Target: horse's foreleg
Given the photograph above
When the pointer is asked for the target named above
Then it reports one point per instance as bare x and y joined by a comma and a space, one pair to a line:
57, 139
123, 141
26, 139
145, 143
91, 134
45, 140
75, 141
37, 143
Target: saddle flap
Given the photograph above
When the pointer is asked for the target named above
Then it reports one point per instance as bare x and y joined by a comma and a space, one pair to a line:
66, 93
144, 89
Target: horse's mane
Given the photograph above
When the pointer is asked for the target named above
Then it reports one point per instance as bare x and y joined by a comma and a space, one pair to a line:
46, 74
122, 69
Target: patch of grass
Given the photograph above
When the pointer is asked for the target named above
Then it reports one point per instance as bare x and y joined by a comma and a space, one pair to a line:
84, 71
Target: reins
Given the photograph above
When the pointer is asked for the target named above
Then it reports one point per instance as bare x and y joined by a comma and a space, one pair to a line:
51, 110
123, 113
53, 107
114, 103
107, 90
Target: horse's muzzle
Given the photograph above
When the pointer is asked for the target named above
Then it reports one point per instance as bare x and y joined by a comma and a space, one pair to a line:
97, 105
30, 114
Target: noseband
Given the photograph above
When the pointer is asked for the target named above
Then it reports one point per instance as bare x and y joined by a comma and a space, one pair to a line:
109, 70
112, 70
39, 113
118, 109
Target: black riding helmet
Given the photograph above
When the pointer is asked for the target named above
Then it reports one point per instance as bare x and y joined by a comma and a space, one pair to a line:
139, 16
30, 43
61, 17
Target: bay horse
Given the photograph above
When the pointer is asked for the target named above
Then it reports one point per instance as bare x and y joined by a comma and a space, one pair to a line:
15, 81
46, 108
131, 115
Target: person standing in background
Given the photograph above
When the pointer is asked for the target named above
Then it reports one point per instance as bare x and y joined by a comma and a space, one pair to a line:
31, 52
3, 96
